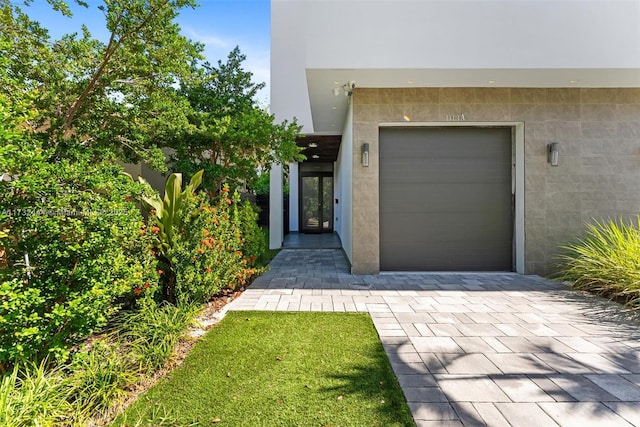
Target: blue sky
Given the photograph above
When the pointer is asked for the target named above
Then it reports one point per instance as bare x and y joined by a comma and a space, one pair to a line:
219, 24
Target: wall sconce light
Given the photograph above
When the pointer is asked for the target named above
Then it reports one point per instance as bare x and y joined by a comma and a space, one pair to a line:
553, 150
365, 155
349, 87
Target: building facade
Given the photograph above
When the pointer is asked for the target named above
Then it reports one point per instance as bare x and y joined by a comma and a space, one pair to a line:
457, 135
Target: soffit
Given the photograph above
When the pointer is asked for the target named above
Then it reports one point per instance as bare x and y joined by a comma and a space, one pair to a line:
320, 148
329, 105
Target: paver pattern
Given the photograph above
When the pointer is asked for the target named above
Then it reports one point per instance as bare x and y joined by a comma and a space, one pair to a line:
477, 349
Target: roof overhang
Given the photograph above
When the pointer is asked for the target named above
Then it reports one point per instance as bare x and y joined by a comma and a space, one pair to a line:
328, 102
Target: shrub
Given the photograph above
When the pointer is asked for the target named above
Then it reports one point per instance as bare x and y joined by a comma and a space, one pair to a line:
152, 332
99, 376
31, 394
254, 245
73, 247
166, 217
606, 261
208, 252
200, 248
261, 185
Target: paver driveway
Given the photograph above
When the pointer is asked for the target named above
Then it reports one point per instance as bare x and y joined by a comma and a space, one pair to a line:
477, 349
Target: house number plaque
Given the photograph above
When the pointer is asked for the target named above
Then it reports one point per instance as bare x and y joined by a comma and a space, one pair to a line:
455, 117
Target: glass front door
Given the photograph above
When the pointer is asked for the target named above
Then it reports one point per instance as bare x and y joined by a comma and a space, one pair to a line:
316, 203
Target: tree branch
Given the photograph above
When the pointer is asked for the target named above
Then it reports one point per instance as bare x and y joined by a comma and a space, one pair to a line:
112, 47
71, 113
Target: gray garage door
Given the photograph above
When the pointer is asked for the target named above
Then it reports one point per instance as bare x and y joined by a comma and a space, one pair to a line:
445, 199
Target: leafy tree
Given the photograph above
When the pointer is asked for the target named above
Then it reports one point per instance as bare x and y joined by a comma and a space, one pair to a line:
115, 97
231, 137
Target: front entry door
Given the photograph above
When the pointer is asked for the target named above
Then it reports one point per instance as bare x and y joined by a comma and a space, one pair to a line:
316, 202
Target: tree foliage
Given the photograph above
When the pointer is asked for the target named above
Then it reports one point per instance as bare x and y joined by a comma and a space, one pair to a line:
231, 137
116, 96
121, 96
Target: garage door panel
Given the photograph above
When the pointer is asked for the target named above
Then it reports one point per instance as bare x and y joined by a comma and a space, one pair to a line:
448, 170
431, 149
445, 199
451, 226
437, 198
469, 145
479, 256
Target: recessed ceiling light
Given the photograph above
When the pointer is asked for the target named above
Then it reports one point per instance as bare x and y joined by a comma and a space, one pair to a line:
315, 156
336, 82
492, 82
411, 81
333, 107
312, 145
333, 125
573, 82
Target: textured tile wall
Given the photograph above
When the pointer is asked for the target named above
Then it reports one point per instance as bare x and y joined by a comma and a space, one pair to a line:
598, 176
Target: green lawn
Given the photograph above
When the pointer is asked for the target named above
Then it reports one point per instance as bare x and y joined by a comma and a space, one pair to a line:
279, 369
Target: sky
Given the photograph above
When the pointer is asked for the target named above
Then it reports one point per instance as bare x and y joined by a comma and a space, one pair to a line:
218, 24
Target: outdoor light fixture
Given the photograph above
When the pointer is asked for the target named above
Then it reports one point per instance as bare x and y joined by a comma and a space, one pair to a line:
349, 87
365, 155
553, 150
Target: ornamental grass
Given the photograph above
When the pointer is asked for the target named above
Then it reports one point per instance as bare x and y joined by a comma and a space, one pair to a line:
606, 261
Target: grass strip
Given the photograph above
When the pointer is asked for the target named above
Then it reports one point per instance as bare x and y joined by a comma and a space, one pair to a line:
279, 369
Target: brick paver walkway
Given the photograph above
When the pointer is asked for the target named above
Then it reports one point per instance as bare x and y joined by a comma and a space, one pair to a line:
476, 349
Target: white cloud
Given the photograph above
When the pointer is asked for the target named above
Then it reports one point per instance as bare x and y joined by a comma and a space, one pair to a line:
208, 40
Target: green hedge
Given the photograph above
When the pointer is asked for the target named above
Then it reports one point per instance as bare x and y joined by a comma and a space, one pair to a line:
208, 253
76, 224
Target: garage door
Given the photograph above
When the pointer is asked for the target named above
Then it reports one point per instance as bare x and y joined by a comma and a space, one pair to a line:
445, 199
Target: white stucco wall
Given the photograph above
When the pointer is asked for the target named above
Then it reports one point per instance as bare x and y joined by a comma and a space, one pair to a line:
288, 47
344, 187
471, 34
276, 213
